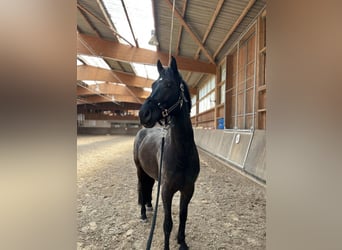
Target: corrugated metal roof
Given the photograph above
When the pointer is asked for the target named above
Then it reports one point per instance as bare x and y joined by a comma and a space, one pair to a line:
96, 19
83, 24
198, 15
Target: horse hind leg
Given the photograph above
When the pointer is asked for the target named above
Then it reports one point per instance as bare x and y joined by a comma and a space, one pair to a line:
145, 186
185, 198
147, 193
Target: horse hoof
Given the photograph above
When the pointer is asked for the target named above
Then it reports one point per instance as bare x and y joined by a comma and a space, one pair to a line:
149, 209
143, 217
183, 247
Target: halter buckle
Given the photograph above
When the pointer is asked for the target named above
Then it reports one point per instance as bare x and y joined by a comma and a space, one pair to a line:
165, 113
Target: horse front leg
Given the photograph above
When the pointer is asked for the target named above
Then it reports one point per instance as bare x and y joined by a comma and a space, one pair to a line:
167, 195
186, 195
141, 201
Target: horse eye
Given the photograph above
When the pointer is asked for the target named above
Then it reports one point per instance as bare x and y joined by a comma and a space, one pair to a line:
167, 84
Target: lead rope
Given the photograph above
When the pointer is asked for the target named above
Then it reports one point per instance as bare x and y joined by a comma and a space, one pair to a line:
171, 30
150, 237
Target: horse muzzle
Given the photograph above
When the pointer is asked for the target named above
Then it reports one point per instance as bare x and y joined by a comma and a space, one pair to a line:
146, 117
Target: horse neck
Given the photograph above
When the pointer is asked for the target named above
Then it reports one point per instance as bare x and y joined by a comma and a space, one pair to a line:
181, 130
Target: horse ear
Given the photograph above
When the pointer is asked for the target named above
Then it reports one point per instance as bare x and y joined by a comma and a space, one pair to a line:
160, 66
174, 64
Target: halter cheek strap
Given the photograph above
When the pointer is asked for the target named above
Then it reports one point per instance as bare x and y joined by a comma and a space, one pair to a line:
166, 112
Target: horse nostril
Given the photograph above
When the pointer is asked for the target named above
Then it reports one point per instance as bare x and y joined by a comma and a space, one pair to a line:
146, 116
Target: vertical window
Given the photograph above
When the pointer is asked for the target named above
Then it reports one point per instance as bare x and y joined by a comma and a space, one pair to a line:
222, 84
194, 106
261, 93
207, 95
240, 91
222, 91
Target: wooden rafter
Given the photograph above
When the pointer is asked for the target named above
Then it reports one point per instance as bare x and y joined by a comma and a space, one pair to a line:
179, 37
111, 89
128, 89
85, 72
103, 22
81, 7
191, 33
235, 25
82, 101
108, 93
125, 53
83, 13
111, 106
199, 79
210, 26
187, 77
93, 53
134, 83
129, 23
207, 32
94, 92
98, 99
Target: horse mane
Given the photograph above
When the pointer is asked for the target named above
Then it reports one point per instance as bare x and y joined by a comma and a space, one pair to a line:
187, 95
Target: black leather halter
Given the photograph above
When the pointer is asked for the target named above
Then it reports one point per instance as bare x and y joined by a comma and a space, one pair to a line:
167, 111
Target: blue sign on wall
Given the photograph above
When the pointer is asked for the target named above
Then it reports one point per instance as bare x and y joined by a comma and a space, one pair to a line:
220, 123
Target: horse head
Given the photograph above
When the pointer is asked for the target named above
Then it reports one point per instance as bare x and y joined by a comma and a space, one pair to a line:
169, 92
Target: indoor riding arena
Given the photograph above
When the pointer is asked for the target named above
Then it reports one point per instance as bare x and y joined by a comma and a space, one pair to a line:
216, 52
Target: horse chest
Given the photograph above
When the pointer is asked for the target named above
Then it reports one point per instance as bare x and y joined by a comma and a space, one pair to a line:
180, 169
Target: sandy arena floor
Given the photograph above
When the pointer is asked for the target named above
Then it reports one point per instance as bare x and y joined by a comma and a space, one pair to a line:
227, 211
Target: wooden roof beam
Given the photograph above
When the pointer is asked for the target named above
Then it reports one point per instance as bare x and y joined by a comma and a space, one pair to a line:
89, 22
129, 23
134, 83
210, 26
181, 28
120, 52
235, 25
85, 72
110, 106
111, 89
191, 33
99, 99
207, 32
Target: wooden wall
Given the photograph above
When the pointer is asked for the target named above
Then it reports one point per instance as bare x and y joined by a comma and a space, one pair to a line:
245, 90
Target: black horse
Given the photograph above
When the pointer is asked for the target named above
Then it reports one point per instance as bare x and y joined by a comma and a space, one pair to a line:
169, 102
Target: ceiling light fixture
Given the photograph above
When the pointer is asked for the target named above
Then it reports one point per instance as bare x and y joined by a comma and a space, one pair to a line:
153, 41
